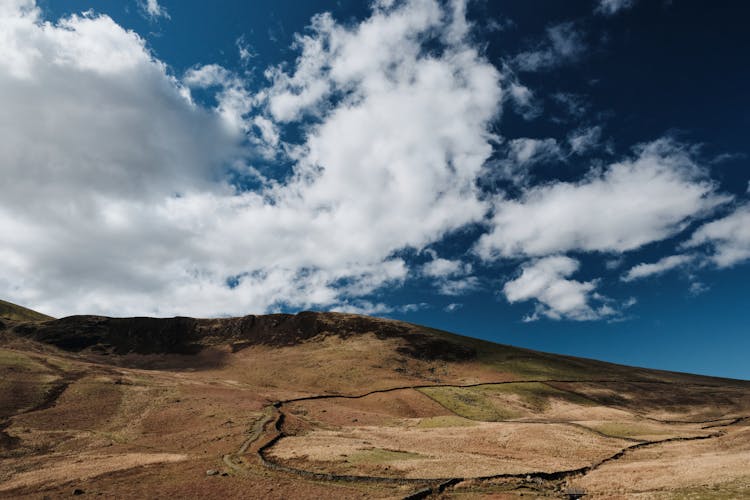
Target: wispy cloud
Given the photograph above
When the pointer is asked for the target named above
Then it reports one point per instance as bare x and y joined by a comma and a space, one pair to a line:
152, 10
656, 268
564, 44
611, 7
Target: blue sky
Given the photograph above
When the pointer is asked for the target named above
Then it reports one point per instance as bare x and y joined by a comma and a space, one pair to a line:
565, 176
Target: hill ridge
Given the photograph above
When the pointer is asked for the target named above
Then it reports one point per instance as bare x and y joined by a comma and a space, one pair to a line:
14, 312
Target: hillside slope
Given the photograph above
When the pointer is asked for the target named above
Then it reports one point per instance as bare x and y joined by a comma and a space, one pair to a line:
15, 312
327, 404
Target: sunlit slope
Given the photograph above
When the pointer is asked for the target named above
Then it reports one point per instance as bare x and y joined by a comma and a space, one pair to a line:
15, 312
334, 350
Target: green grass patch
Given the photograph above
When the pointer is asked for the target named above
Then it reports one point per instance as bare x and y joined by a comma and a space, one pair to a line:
535, 395
15, 360
445, 421
471, 403
381, 456
530, 364
630, 430
490, 402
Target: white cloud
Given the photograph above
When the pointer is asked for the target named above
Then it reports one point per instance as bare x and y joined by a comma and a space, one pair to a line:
631, 203
614, 263
245, 50
456, 287
661, 266
564, 44
152, 9
611, 7
234, 101
545, 280
375, 308
440, 268
584, 139
523, 100
90, 114
453, 307
451, 276
729, 237
525, 151
521, 155
519, 96
118, 203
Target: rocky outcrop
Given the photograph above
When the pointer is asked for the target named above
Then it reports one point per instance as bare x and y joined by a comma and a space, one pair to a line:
182, 335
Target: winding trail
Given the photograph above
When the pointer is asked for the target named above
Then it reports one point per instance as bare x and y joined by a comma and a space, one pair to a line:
274, 413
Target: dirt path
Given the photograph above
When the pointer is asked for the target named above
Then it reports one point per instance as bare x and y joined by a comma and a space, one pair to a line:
234, 460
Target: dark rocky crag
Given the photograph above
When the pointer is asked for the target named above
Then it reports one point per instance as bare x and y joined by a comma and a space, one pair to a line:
182, 335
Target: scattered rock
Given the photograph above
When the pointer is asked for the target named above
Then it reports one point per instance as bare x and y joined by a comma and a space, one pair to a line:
78, 491
211, 472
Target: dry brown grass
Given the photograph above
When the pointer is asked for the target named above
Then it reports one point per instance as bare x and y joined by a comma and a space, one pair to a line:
150, 426
483, 449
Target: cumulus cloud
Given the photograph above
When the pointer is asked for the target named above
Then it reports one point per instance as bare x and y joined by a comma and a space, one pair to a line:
563, 44
630, 203
728, 237
611, 7
124, 197
119, 202
661, 266
546, 281
90, 114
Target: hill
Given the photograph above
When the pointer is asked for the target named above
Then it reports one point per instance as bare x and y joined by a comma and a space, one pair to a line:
15, 312
340, 405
